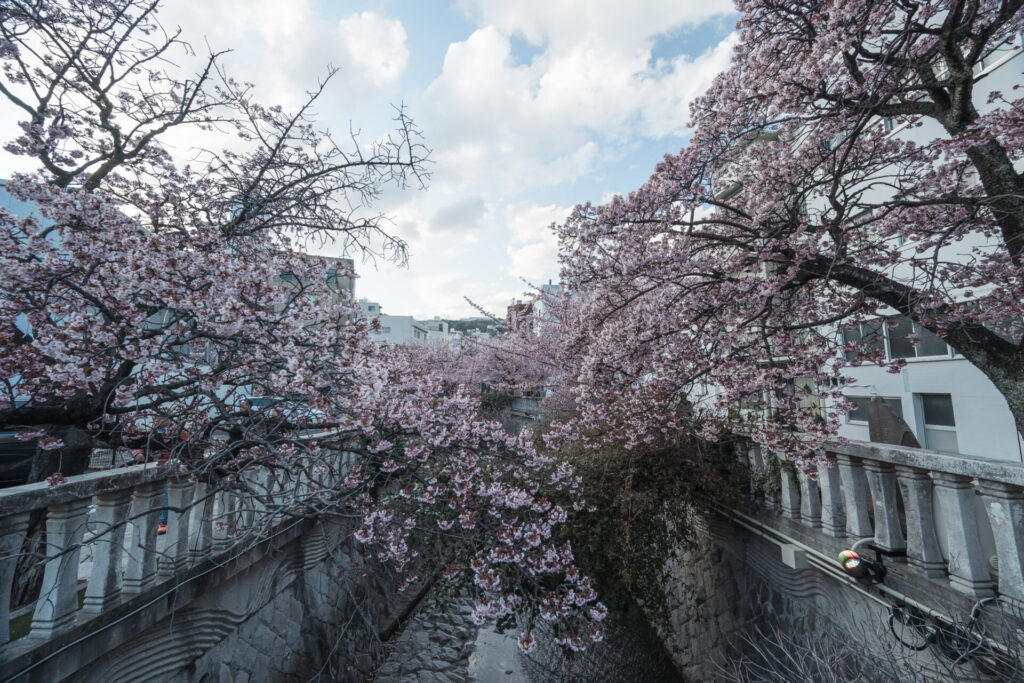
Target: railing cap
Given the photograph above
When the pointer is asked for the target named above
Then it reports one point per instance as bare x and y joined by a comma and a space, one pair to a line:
39, 495
1003, 471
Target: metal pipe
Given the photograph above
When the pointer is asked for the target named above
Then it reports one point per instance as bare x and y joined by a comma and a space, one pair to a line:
827, 566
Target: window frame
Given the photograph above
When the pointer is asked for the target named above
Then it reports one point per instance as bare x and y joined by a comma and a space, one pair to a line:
915, 328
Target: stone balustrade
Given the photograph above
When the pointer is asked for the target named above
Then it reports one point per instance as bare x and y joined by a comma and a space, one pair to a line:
958, 519
101, 530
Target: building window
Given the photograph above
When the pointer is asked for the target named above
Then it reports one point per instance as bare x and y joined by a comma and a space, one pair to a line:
860, 413
834, 143
887, 124
939, 422
872, 336
385, 330
869, 335
900, 346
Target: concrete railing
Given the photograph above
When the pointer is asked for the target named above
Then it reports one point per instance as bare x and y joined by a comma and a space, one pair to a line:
949, 513
101, 530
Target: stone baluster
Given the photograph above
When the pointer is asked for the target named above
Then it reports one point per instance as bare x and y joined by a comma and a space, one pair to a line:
855, 497
247, 502
882, 482
344, 466
923, 550
354, 458
294, 481
257, 480
223, 520
202, 520
754, 461
317, 479
790, 491
147, 501
176, 552
1005, 507
277, 484
833, 520
967, 570
745, 454
12, 537
246, 512
762, 458
58, 595
311, 478
110, 518
810, 501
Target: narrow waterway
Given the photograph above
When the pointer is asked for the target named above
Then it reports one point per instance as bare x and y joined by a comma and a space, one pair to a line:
441, 643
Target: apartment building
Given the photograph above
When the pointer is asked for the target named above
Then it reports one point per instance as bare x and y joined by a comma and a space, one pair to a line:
945, 400
394, 329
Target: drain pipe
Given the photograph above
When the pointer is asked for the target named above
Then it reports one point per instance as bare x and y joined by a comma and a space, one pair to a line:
827, 565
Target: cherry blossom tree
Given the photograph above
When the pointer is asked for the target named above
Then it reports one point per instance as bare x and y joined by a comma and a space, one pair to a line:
517, 360
850, 164
151, 296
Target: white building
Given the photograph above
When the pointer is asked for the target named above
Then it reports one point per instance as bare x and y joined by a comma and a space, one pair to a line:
944, 399
439, 332
948, 403
394, 329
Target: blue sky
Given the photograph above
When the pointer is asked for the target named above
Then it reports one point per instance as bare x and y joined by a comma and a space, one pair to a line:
529, 106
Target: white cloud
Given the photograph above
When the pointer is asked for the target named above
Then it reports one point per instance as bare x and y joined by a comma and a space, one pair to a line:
376, 44
463, 215
593, 87
283, 47
533, 248
529, 222
533, 261
614, 21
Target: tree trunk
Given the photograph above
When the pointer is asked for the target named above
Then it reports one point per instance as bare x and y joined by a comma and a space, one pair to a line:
1007, 374
1005, 190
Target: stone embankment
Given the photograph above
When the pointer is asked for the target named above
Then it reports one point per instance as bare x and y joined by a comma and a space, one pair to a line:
435, 645
442, 644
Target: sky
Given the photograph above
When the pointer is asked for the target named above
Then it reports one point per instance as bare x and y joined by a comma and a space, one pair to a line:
529, 107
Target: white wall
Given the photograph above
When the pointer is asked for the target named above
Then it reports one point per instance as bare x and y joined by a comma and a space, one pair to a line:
984, 425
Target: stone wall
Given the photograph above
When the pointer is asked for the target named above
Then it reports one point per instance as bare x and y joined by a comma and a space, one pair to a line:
307, 609
731, 594
435, 645
703, 588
